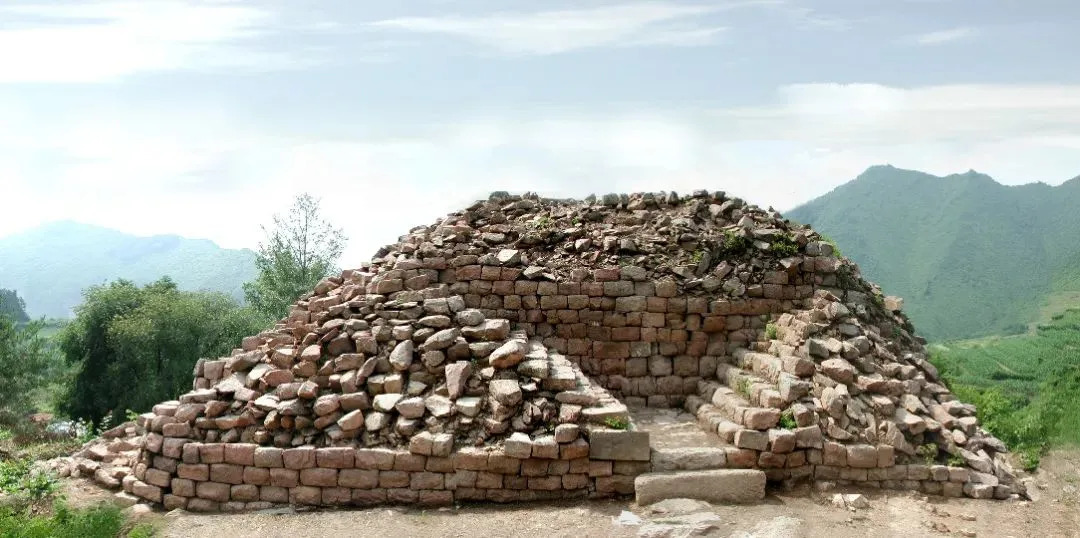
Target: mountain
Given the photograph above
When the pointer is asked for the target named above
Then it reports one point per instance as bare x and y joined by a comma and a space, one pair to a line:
970, 256
49, 266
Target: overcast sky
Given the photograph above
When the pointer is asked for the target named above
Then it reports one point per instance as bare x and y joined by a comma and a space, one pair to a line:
203, 118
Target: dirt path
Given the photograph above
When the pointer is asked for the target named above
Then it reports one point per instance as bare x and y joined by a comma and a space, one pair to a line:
1054, 513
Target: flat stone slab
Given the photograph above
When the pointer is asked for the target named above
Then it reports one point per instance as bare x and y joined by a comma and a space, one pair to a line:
714, 486
619, 445
597, 415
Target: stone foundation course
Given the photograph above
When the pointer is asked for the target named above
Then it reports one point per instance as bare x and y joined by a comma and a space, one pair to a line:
211, 477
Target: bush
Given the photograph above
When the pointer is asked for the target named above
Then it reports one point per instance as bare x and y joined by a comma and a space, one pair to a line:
735, 244
133, 347
928, 452
785, 246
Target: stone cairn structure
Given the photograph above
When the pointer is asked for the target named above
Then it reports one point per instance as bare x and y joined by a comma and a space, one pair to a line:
493, 356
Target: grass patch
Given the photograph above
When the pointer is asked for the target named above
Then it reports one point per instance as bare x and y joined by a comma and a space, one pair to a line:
31, 509
742, 386
105, 521
832, 243
616, 423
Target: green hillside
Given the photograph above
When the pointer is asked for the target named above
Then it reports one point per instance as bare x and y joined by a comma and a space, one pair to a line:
50, 265
971, 257
1026, 387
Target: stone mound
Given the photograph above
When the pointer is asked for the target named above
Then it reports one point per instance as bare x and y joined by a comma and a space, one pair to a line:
493, 354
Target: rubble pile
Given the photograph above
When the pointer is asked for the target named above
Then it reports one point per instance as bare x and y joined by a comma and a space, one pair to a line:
524, 327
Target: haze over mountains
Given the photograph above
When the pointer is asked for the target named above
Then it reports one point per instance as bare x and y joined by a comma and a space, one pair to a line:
49, 266
970, 256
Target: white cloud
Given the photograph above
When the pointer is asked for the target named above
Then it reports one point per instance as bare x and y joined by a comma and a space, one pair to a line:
213, 176
553, 32
93, 41
944, 36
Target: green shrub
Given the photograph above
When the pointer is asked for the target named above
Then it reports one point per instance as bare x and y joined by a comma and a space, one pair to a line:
928, 452
785, 246
735, 244
770, 331
543, 222
616, 423
787, 420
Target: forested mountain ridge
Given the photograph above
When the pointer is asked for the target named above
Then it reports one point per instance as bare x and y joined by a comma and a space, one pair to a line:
970, 256
50, 265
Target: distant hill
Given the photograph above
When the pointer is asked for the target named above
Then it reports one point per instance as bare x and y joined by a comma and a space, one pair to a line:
970, 256
50, 265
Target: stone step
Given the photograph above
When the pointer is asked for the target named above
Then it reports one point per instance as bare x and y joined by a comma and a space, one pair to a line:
731, 406
688, 458
755, 389
714, 486
770, 365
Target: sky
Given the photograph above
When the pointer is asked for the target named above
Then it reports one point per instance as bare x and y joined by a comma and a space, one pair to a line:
203, 118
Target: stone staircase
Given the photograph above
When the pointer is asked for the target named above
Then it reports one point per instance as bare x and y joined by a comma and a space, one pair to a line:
688, 462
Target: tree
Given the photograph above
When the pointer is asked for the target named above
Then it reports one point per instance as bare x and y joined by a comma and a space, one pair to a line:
133, 347
301, 250
12, 306
26, 363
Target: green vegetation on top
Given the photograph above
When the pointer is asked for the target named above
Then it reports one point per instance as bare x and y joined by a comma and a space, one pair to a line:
52, 264
971, 257
1026, 388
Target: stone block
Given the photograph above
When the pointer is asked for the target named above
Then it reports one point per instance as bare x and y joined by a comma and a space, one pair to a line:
213, 491
319, 477
715, 486
619, 445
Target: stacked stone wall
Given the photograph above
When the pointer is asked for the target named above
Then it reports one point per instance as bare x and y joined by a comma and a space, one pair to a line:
210, 477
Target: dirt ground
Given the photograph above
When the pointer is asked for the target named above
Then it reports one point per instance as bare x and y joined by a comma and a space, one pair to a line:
804, 512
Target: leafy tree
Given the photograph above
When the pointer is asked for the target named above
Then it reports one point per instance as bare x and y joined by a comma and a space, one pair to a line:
26, 364
301, 250
134, 347
12, 306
